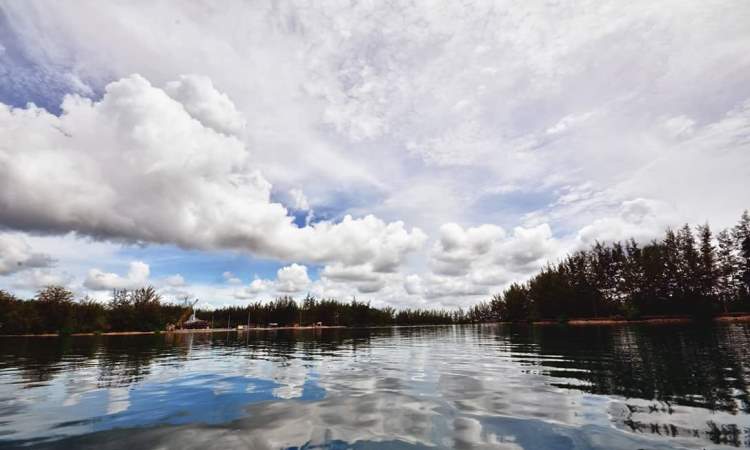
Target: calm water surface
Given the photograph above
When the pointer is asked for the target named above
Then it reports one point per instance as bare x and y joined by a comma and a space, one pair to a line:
630, 387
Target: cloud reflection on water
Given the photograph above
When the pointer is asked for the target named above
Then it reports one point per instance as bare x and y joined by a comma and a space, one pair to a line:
450, 387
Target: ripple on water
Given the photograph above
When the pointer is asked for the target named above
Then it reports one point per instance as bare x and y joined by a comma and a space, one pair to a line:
447, 387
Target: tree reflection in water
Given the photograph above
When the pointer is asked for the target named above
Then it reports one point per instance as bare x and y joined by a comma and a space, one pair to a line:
657, 370
483, 386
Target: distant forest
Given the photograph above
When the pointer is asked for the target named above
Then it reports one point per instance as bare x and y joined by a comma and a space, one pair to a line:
686, 273
54, 309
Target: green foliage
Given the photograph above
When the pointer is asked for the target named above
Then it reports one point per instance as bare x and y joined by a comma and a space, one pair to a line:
286, 311
53, 310
679, 275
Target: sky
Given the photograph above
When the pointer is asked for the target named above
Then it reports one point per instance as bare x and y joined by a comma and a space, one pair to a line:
411, 154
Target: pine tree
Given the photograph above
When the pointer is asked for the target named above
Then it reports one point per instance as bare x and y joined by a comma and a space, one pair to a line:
707, 267
688, 262
671, 282
586, 298
604, 277
517, 303
728, 270
634, 276
742, 242
656, 289
617, 272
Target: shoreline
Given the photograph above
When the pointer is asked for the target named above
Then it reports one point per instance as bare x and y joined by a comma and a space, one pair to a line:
646, 320
603, 321
185, 331
226, 330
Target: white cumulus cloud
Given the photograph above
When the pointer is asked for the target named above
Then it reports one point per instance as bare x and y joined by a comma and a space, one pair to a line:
292, 278
136, 166
210, 107
137, 277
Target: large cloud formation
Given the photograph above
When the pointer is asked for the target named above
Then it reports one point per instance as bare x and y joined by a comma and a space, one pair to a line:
473, 261
552, 126
139, 165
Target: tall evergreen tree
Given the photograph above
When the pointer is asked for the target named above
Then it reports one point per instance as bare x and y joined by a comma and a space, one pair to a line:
728, 282
671, 278
657, 288
617, 272
517, 303
742, 240
634, 279
707, 268
689, 275
604, 275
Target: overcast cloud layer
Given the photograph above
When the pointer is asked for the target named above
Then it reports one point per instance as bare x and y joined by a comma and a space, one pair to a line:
406, 153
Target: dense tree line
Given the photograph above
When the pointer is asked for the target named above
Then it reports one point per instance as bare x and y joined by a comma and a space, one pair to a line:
287, 311
685, 273
54, 309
